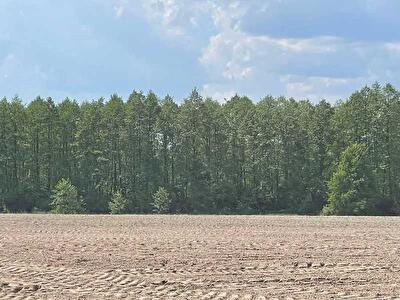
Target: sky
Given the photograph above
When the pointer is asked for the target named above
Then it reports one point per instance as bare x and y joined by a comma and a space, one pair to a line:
306, 49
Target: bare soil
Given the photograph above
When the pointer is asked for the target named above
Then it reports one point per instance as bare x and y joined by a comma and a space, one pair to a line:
199, 257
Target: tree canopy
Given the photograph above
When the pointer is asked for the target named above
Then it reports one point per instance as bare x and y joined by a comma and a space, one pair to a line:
277, 154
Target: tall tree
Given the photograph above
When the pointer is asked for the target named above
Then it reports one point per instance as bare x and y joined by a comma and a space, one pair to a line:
352, 188
91, 157
239, 156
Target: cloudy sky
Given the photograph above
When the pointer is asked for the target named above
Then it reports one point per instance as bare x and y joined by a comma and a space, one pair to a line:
305, 49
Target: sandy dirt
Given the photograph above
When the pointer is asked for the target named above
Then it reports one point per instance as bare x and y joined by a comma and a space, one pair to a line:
199, 257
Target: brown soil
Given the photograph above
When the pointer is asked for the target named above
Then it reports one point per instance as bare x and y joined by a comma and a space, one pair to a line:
199, 257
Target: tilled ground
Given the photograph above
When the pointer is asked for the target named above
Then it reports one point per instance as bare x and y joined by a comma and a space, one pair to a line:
199, 257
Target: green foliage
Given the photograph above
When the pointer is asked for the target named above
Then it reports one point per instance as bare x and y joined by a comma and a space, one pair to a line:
277, 154
161, 201
2, 205
65, 199
118, 204
351, 190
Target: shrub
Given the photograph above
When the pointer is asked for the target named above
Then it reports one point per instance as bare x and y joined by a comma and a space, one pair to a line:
2, 205
65, 199
118, 204
161, 201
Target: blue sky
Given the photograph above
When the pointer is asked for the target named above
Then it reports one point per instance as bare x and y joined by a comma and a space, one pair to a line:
85, 49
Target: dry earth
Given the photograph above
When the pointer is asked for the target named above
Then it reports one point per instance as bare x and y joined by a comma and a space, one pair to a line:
198, 257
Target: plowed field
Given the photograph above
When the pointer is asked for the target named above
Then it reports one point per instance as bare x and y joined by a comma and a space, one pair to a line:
199, 257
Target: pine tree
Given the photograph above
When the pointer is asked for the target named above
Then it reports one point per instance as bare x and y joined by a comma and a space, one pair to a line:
118, 204
161, 201
65, 199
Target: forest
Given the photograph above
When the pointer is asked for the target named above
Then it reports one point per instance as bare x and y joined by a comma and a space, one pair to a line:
145, 154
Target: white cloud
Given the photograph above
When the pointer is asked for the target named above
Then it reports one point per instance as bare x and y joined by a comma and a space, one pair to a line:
167, 11
235, 71
316, 45
393, 47
119, 11
239, 61
316, 67
210, 91
174, 18
317, 88
193, 21
238, 58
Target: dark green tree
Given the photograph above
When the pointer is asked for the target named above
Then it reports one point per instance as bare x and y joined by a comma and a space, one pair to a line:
237, 157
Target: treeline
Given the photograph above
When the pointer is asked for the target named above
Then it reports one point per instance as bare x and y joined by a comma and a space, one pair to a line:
201, 156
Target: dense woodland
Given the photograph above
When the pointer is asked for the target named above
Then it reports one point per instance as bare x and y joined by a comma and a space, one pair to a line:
200, 156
